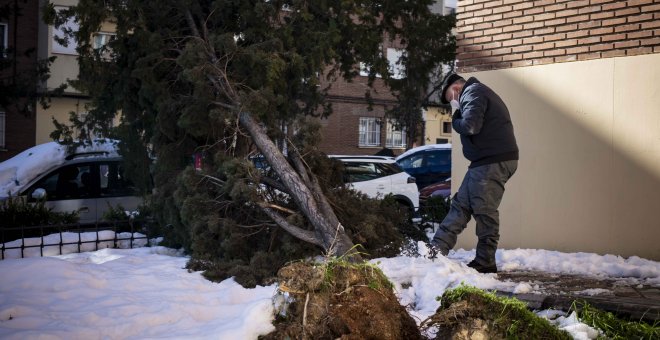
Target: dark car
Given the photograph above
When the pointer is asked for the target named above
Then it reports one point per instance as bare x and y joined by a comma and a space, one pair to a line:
440, 189
429, 164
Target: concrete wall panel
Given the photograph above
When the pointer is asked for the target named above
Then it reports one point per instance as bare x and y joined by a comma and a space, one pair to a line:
589, 173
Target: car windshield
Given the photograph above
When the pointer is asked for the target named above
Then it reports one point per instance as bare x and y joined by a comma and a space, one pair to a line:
365, 171
390, 168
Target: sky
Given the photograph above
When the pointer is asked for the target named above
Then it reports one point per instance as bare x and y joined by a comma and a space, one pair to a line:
147, 293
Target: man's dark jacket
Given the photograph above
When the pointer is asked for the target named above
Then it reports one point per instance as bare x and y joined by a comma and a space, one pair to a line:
484, 123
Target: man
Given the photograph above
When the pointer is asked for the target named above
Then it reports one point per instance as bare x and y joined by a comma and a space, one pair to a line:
483, 121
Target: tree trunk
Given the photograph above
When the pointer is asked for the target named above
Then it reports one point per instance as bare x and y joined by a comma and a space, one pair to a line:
329, 233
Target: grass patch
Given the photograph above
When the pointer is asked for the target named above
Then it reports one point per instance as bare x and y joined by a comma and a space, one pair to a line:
504, 317
612, 326
339, 271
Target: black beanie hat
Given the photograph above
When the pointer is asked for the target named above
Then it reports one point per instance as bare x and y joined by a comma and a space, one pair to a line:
450, 80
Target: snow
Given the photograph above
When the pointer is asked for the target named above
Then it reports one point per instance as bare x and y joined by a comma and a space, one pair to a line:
147, 292
19, 170
125, 293
424, 147
70, 241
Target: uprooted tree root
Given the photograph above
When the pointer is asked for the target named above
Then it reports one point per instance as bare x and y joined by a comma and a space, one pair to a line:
470, 313
340, 300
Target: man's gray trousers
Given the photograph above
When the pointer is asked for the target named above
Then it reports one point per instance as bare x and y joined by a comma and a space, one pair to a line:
480, 195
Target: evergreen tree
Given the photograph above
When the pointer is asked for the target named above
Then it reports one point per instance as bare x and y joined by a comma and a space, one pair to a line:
226, 80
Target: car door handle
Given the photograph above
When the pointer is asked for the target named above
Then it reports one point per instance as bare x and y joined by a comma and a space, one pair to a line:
83, 210
381, 187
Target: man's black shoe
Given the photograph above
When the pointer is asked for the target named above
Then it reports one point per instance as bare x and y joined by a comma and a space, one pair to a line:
483, 269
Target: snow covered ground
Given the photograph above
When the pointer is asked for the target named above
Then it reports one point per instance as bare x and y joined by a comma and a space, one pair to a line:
147, 293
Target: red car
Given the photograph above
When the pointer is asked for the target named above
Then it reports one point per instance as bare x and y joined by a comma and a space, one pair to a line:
442, 189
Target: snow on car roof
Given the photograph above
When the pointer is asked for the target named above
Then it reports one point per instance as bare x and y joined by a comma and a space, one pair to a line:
424, 147
357, 158
22, 168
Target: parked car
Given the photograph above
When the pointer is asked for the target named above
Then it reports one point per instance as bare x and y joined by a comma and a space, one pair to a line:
89, 181
377, 176
428, 163
440, 189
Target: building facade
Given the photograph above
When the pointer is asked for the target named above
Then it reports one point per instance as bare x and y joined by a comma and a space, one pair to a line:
18, 39
580, 79
64, 68
437, 125
355, 128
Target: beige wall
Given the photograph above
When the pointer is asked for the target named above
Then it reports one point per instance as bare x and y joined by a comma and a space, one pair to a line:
59, 109
65, 66
434, 117
589, 171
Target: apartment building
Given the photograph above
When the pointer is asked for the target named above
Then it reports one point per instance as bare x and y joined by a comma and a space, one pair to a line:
580, 79
356, 129
64, 68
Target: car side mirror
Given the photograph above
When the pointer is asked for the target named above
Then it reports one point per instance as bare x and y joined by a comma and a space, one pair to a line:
39, 194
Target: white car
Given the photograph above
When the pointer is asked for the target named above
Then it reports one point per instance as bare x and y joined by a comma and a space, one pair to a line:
89, 181
378, 176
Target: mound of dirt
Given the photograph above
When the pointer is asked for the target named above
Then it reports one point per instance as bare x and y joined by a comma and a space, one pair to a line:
340, 301
469, 313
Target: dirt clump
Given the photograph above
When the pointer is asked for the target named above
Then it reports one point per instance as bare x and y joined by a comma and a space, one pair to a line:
339, 300
470, 313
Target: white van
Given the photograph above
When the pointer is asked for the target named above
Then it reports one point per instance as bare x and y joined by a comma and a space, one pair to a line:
89, 181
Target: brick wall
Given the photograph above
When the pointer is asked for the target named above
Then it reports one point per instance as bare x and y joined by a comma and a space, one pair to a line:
340, 131
514, 33
20, 127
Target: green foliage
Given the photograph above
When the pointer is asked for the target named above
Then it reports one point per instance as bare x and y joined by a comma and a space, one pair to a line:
180, 72
435, 209
228, 236
16, 212
614, 327
339, 272
511, 317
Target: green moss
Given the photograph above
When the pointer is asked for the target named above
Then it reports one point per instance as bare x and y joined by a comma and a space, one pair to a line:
614, 327
507, 316
339, 272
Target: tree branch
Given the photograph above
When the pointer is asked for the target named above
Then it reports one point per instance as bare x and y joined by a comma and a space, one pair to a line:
304, 235
275, 184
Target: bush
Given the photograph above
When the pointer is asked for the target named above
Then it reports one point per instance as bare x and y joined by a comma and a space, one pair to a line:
435, 209
139, 220
16, 213
227, 235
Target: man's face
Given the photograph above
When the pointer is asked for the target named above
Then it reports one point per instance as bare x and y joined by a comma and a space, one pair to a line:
452, 92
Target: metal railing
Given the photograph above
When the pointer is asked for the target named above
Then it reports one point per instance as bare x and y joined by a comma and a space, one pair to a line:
60, 239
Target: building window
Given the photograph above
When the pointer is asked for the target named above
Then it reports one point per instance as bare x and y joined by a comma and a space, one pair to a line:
3, 40
446, 127
397, 70
369, 131
441, 141
59, 33
396, 136
101, 39
100, 42
2, 130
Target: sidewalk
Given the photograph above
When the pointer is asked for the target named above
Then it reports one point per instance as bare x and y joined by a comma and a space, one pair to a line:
621, 296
